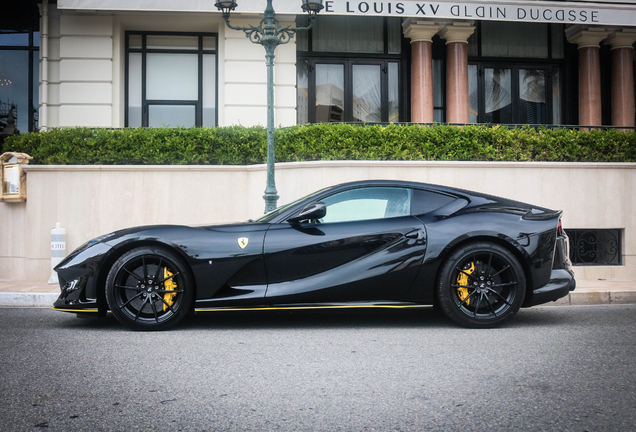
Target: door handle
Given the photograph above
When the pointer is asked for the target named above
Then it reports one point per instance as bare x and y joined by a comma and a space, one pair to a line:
415, 234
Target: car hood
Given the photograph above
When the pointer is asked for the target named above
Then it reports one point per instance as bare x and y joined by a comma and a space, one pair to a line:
149, 229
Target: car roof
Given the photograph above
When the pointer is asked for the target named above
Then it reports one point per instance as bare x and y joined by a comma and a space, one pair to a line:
475, 197
410, 184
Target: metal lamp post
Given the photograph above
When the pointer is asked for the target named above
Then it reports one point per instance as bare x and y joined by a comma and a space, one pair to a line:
270, 34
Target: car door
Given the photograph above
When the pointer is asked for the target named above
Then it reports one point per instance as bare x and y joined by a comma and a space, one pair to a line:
367, 247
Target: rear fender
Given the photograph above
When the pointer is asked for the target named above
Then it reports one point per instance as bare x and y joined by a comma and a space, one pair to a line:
427, 278
513, 245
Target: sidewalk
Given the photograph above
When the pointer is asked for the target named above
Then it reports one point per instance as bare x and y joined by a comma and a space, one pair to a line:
27, 294
600, 291
588, 292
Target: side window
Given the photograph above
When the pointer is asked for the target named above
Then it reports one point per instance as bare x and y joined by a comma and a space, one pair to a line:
367, 203
427, 201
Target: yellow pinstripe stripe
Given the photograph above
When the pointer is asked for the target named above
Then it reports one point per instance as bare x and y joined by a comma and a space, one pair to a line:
310, 307
276, 308
74, 310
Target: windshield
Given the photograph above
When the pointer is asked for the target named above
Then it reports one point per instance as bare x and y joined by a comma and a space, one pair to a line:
271, 215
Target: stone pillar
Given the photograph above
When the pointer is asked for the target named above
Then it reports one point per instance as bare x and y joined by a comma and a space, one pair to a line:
456, 35
588, 40
622, 76
421, 34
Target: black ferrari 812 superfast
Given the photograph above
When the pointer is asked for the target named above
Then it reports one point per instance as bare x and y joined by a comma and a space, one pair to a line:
478, 258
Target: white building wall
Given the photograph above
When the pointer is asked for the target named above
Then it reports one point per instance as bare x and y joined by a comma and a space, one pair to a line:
53, 67
87, 68
246, 80
157, 22
285, 83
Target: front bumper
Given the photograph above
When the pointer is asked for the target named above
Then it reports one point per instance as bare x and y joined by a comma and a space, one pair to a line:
73, 297
78, 275
561, 283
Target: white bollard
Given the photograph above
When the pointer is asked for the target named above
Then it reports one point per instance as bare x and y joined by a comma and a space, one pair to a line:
58, 250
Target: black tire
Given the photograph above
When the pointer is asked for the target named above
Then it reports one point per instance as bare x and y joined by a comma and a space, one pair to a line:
149, 288
481, 285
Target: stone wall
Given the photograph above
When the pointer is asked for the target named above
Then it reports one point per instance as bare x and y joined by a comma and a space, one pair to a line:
92, 200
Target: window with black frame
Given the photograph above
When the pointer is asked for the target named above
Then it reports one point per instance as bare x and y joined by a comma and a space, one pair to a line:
350, 69
171, 79
19, 68
515, 73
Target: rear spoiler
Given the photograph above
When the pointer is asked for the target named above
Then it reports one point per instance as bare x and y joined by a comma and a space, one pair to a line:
542, 214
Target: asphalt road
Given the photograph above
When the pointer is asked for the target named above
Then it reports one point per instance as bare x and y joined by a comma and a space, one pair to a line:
552, 368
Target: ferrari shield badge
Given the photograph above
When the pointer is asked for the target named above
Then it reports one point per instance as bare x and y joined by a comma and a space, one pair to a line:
242, 241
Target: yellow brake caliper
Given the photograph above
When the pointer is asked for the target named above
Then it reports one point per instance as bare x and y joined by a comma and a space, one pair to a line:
462, 279
169, 285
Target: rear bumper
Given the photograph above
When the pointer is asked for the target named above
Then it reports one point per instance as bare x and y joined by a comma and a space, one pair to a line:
561, 283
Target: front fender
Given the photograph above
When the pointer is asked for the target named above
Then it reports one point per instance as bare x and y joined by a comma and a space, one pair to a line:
82, 274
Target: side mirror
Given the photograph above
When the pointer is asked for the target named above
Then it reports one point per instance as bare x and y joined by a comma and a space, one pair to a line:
314, 210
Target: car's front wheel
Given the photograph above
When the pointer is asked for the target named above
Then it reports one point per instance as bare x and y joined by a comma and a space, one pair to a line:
149, 288
481, 285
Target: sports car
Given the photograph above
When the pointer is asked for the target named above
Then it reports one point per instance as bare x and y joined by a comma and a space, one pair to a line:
476, 257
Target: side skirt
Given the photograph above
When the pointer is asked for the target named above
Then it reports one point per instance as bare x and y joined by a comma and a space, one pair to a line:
313, 306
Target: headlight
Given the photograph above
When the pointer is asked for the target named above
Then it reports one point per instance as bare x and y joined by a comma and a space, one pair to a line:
95, 241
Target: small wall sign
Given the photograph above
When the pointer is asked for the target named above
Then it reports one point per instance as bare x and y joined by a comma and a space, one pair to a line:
13, 177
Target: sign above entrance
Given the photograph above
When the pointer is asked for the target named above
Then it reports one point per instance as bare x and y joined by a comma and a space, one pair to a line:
520, 11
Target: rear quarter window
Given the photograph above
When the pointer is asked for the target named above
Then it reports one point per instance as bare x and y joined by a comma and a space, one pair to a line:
426, 201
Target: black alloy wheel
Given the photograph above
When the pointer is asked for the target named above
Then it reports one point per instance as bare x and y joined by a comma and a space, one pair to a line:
481, 285
149, 288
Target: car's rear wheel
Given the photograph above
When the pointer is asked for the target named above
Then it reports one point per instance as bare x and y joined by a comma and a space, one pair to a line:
149, 288
481, 285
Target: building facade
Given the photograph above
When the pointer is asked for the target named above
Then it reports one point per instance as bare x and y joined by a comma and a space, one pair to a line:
112, 63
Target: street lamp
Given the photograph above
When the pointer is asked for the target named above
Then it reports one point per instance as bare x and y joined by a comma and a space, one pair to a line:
270, 34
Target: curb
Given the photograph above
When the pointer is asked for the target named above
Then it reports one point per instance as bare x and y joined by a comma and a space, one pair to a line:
583, 298
28, 299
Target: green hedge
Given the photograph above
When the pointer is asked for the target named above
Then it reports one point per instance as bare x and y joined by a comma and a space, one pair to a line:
247, 145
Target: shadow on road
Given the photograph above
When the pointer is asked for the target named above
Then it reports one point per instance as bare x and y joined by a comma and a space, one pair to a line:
318, 319
323, 319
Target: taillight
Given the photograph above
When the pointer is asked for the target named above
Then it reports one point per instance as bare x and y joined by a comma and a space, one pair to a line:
560, 229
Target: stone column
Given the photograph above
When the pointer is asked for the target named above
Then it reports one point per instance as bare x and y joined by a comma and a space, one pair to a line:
588, 40
421, 34
622, 76
456, 35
